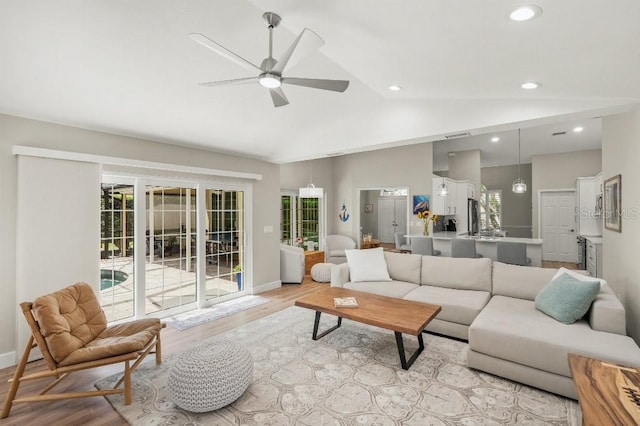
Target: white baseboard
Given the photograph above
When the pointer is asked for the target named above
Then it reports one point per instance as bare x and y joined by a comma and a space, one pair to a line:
8, 359
266, 287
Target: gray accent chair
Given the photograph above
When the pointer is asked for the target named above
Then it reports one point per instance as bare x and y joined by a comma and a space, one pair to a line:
424, 246
401, 242
291, 264
334, 247
461, 247
513, 253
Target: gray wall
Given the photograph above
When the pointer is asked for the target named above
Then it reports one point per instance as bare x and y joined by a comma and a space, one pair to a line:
19, 131
408, 166
559, 171
465, 165
620, 154
516, 208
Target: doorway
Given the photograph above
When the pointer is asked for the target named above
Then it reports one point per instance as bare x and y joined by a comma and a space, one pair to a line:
383, 212
558, 226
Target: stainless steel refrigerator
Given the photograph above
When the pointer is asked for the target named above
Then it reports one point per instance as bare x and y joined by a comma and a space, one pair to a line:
473, 216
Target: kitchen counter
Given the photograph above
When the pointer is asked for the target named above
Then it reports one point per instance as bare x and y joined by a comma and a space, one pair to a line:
486, 246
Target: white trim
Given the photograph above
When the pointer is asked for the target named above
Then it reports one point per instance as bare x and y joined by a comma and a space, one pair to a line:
8, 359
118, 161
266, 287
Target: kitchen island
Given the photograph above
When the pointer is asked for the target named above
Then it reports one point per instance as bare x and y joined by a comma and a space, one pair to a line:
486, 246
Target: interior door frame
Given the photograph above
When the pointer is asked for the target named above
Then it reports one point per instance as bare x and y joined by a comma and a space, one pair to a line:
357, 220
555, 190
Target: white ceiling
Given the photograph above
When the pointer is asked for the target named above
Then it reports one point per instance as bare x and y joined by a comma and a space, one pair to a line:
129, 68
535, 140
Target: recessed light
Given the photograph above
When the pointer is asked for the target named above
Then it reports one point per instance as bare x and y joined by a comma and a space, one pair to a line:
530, 85
524, 13
495, 139
395, 88
578, 129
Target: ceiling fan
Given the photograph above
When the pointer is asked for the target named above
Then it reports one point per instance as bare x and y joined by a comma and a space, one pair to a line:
270, 72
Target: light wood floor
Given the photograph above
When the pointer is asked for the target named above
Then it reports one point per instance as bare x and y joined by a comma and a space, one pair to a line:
96, 410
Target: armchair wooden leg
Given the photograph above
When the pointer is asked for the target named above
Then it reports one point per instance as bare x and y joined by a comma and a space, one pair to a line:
158, 350
13, 388
127, 383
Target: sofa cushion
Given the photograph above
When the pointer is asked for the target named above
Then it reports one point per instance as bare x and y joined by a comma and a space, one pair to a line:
523, 282
384, 288
566, 298
404, 267
337, 253
512, 329
367, 265
459, 306
459, 273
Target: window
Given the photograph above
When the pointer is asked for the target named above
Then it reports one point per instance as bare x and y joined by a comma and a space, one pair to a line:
300, 218
490, 208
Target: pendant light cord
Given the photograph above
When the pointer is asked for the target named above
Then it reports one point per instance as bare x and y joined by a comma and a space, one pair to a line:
518, 153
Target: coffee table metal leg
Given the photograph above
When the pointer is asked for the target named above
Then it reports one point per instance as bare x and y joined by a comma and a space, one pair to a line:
403, 359
316, 336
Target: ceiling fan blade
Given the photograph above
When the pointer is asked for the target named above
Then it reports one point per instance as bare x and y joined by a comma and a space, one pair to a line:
316, 83
278, 97
222, 51
230, 82
306, 43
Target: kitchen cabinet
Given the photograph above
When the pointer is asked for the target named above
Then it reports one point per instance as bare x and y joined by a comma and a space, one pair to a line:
444, 205
594, 256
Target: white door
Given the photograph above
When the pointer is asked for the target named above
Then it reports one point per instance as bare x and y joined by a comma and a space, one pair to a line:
558, 224
392, 217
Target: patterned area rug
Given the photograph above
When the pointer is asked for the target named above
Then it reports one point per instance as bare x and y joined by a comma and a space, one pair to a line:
201, 316
349, 377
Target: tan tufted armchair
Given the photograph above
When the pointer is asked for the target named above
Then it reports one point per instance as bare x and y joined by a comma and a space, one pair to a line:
70, 330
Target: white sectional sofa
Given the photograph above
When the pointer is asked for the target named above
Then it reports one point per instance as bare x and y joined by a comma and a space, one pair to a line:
491, 305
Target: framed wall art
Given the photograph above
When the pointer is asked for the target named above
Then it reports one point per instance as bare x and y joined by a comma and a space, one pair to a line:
613, 203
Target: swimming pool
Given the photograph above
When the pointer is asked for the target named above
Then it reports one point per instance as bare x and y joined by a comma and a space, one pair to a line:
110, 278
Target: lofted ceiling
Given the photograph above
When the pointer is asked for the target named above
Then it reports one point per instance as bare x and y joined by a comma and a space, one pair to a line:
129, 68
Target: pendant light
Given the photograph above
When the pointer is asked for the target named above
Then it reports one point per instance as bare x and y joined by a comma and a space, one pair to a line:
443, 191
519, 185
310, 191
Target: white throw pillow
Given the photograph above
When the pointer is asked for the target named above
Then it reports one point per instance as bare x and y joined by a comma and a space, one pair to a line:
367, 265
578, 276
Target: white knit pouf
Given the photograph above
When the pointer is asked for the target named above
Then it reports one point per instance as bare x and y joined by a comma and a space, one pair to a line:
211, 376
321, 272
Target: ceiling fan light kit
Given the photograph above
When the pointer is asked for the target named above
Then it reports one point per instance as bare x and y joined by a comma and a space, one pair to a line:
270, 72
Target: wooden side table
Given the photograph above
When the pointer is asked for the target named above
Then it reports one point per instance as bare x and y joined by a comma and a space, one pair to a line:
609, 394
311, 257
369, 244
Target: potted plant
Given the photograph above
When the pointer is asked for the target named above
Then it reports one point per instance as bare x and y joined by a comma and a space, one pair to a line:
237, 270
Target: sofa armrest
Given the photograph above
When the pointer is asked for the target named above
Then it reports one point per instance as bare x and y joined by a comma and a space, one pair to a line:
339, 274
607, 313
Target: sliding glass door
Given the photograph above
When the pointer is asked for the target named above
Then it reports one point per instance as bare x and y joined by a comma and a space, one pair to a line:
192, 237
225, 246
170, 239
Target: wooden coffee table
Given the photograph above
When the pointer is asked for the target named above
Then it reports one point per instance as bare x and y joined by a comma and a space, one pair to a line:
609, 394
400, 316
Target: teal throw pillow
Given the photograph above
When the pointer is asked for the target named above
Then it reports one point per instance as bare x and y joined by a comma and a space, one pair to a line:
566, 298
